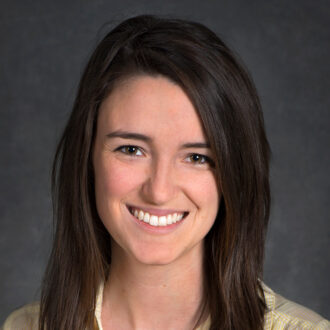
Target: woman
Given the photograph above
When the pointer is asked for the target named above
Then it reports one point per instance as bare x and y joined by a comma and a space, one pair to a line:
161, 192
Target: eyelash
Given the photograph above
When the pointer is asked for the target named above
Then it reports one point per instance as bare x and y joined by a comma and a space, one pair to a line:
206, 160
134, 150
124, 150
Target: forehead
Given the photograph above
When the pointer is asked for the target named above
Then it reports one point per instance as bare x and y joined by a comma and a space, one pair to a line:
153, 105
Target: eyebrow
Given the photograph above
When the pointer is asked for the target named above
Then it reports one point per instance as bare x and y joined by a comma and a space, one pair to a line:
145, 138
129, 135
196, 145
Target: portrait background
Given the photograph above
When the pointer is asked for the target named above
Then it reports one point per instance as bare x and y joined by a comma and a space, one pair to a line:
285, 45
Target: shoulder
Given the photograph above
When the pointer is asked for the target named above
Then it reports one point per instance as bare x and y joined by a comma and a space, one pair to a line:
285, 314
26, 318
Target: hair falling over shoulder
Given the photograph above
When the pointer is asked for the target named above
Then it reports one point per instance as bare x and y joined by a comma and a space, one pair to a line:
225, 98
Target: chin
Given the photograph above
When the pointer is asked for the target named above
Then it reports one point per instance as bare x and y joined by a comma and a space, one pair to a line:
155, 258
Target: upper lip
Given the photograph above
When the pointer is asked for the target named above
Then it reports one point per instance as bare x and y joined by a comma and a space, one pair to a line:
158, 212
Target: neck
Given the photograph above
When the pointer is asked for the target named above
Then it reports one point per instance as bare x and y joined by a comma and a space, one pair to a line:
154, 296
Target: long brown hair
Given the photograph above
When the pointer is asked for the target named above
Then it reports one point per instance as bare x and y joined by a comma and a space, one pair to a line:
225, 98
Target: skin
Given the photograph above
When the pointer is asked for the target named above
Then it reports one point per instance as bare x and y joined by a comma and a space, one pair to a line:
155, 280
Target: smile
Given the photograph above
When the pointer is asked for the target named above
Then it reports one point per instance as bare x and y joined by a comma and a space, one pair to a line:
155, 220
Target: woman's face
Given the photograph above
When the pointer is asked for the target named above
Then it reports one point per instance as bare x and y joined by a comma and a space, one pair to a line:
155, 187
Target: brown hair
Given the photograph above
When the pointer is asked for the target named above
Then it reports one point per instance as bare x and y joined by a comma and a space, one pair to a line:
225, 98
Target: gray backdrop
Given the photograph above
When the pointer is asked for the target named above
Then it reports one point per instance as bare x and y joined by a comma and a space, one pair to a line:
285, 44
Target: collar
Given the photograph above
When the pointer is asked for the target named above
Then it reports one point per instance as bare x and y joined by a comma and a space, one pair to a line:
270, 302
269, 297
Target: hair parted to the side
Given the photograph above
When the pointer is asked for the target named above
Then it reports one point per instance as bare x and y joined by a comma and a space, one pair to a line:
192, 56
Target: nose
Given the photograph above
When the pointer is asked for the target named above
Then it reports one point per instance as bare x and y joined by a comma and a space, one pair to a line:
160, 184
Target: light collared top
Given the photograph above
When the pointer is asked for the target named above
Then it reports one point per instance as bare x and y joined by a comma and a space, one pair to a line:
282, 314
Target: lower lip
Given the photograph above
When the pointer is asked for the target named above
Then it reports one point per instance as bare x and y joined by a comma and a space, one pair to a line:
159, 229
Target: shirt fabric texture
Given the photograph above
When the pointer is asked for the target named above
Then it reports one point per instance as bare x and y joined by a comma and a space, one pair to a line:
282, 314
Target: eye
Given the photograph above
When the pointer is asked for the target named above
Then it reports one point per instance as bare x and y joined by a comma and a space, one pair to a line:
130, 150
199, 159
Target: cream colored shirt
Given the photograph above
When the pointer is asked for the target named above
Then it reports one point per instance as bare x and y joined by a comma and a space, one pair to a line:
282, 314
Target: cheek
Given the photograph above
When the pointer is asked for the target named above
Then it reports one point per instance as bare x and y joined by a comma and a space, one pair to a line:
206, 195
115, 179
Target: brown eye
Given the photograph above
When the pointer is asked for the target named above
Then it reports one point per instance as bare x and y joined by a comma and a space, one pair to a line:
195, 158
198, 159
130, 150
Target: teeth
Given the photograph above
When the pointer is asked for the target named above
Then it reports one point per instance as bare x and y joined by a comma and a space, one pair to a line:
156, 221
146, 217
162, 221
